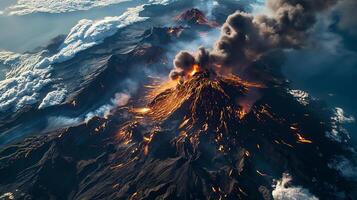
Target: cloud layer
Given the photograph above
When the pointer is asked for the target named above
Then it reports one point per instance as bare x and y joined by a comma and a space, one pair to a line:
31, 73
25, 7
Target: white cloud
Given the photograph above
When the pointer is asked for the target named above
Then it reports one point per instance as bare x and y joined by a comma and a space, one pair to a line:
31, 72
17, 63
24, 7
53, 98
341, 117
22, 90
338, 133
283, 190
88, 33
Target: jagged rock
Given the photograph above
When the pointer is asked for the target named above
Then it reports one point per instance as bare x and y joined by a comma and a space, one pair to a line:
191, 143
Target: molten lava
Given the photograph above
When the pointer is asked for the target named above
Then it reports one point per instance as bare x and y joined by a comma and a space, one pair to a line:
158, 88
201, 93
303, 140
209, 116
140, 110
203, 137
195, 69
205, 104
242, 113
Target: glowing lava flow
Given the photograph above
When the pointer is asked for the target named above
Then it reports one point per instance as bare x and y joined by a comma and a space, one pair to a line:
140, 110
301, 139
167, 97
156, 89
159, 88
196, 68
242, 113
205, 103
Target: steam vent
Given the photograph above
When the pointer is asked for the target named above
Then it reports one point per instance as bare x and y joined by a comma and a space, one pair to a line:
178, 100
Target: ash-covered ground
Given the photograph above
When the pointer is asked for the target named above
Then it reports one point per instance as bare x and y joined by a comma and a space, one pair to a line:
119, 110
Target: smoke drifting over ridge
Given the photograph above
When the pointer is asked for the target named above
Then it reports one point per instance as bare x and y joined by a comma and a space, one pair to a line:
245, 37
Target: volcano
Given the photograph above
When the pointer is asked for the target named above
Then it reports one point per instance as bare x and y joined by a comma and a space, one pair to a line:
195, 16
195, 139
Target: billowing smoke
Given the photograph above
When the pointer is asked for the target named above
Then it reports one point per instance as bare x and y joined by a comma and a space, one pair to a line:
183, 63
245, 37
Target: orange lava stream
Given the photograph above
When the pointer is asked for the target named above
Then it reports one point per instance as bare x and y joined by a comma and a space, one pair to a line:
196, 68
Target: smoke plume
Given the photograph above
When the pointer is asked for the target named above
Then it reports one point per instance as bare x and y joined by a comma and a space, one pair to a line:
245, 37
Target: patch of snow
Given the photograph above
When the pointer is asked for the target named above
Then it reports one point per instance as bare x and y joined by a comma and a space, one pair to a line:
341, 118
338, 133
7, 195
283, 190
301, 96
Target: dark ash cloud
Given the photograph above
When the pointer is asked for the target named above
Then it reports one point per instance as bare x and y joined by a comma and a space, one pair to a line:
245, 37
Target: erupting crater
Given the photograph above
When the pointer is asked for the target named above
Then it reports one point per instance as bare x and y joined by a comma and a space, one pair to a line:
195, 139
205, 104
203, 137
201, 134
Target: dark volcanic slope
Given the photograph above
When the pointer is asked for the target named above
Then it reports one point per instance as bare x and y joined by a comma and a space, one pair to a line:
193, 141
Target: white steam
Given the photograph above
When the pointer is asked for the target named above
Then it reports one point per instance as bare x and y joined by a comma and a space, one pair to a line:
120, 99
301, 96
